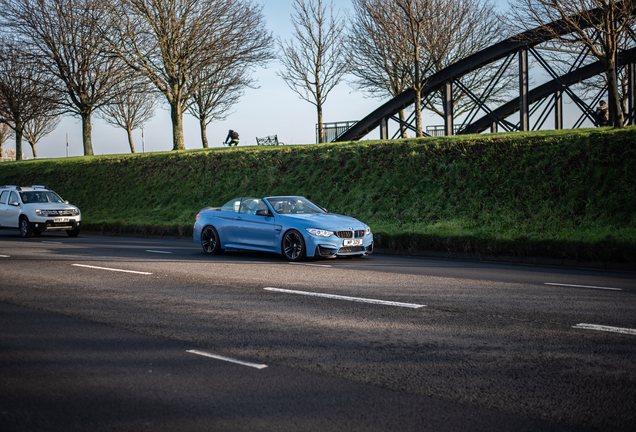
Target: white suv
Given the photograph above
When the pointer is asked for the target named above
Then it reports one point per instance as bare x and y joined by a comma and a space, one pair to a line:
35, 209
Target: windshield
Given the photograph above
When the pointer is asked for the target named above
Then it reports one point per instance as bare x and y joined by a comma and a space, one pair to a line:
40, 197
293, 205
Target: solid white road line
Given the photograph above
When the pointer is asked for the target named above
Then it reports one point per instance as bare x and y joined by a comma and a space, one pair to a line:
155, 251
312, 265
50, 242
339, 297
228, 359
584, 286
112, 269
606, 328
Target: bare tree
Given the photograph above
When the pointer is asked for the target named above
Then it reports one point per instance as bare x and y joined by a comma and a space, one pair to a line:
25, 91
597, 25
416, 37
39, 127
315, 60
132, 105
176, 44
215, 97
461, 28
6, 133
63, 35
379, 70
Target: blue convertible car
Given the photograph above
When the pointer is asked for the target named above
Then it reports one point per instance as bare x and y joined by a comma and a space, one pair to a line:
291, 225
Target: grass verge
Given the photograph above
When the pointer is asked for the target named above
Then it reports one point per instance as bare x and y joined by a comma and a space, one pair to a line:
560, 194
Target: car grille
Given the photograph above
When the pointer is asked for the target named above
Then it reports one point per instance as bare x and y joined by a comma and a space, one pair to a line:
60, 212
351, 249
350, 234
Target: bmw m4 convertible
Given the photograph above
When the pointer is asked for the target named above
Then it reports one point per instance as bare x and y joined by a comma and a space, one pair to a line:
288, 225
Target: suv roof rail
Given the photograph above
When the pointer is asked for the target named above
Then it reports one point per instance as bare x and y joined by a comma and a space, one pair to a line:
40, 187
11, 187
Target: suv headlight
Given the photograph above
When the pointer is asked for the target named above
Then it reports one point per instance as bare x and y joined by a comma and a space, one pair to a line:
367, 231
43, 213
75, 212
319, 232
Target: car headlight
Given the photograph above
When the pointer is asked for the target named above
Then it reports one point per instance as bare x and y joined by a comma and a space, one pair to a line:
319, 232
367, 231
42, 213
75, 212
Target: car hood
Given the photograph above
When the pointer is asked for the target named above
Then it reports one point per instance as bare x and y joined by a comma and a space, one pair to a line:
51, 206
330, 221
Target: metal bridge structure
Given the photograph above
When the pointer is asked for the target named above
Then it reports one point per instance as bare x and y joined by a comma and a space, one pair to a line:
538, 102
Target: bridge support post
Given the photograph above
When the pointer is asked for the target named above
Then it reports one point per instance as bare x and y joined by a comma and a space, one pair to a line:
384, 128
524, 120
558, 110
448, 108
631, 93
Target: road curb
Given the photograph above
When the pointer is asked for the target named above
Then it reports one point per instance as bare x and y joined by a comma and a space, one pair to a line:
528, 260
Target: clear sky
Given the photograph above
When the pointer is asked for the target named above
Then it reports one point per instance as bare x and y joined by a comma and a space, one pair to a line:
271, 109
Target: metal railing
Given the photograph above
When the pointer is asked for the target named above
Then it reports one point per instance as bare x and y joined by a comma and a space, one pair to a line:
331, 131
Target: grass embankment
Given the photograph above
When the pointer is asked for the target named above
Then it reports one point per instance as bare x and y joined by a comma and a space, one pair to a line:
561, 194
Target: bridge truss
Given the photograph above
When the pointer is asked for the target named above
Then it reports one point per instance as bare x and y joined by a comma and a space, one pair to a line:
538, 102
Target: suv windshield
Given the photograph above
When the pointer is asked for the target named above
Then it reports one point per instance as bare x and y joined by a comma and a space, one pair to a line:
40, 197
293, 205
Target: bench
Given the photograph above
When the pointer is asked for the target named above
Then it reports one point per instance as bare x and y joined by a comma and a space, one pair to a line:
268, 140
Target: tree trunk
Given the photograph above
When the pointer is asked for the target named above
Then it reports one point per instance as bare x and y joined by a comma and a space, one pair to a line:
418, 113
87, 130
176, 114
130, 140
18, 142
204, 136
402, 127
614, 98
35, 153
321, 136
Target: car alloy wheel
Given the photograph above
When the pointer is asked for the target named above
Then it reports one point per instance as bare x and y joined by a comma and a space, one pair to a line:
210, 241
293, 246
25, 228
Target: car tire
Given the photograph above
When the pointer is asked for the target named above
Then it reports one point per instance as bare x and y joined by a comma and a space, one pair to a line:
210, 241
73, 233
293, 246
25, 228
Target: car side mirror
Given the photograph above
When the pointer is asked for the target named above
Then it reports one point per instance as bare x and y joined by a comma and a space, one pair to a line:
262, 212
66, 202
14, 203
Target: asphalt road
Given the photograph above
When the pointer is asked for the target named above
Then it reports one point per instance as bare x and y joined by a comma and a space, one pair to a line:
114, 333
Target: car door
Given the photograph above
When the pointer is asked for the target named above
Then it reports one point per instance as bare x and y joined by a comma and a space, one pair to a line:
12, 212
252, 231
4, 204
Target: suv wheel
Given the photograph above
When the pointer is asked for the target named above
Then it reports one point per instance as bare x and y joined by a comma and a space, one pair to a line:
74, 232
25, 228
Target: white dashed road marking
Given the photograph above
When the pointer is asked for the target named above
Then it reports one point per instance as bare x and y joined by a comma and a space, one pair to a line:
228, 359
312, 265
51, 242
112, 269
605, 328
156, 251
339, 297
584, 286
5, 256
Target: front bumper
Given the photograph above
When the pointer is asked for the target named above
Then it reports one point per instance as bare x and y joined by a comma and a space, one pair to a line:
330, 247
51, 225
